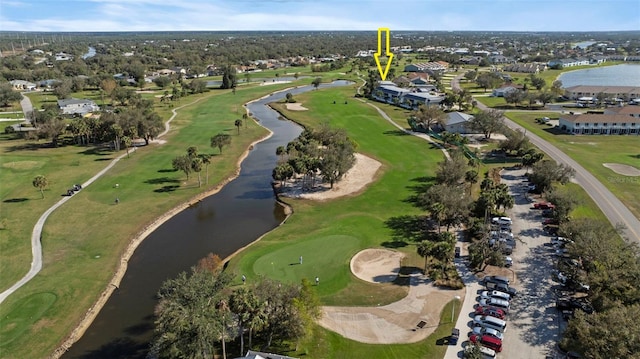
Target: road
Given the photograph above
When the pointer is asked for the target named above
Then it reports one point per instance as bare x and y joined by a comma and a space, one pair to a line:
609, 204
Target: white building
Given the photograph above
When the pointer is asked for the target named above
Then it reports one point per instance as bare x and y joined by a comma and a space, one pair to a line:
596, 124
627, 93
75, 106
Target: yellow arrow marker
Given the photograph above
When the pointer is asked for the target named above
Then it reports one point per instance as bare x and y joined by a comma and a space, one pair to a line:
383, 74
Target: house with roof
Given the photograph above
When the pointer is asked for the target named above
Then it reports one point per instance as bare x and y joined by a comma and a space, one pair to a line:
531, 68
76, 106
20, 85
425, 67
600, 124
501, 91
63, 56
628, 93
389, 93
457, 122
402, 81
562, 63
633, 111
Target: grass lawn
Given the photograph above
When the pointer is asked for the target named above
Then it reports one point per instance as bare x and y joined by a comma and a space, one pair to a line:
591, 152
84, 239
340, 228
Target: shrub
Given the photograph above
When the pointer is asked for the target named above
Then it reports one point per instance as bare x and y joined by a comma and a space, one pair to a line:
9, 130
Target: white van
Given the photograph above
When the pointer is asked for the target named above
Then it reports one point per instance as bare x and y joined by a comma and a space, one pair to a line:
503, 221
487, 353
487, 321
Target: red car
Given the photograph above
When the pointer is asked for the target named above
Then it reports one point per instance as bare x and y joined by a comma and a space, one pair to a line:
550, 221
544, 205
490, 311
487, 341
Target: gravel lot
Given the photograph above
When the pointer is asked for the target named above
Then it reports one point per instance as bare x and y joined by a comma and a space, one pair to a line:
534, 324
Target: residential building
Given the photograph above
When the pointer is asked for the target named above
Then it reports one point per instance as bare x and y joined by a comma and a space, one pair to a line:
596, 124
562, 63
627, 93
75, 106
410, 99
425, 67
61, 56
457, 122
22, 85
531, 68
501, 91
632, 111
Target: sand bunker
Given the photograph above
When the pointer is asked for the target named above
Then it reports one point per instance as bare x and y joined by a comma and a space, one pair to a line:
408, 320
621, 169
296, 107
357, 178
376, 265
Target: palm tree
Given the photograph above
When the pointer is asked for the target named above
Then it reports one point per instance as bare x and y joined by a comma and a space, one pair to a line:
206, 160
238, 124
126, 140
223, 308
424, 250
40, 182
471, 177
437, 212
196, 166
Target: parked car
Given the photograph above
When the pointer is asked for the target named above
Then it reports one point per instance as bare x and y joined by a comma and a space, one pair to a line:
494, 302
490, 322
490, 311
497, 279
503, 221
487, 341
494, 294
77, 187
455, 335
503, 288
573, 303
550, 221
508, 261
488, 331
544, 205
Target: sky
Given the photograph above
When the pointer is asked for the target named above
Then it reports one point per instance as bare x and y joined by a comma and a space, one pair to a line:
219, 15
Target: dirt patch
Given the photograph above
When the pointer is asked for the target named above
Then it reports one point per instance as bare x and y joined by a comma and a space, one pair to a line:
356, 179
621, 169
296, 107
376, 265
23, 165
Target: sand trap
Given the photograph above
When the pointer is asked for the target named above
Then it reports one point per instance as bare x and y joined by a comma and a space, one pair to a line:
296, 107
357, 178
396, 322
376, 265
621, 169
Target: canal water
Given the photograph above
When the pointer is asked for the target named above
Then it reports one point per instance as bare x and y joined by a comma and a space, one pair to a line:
241, 212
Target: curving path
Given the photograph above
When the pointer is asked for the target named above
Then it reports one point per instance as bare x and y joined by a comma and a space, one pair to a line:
36, 234
609, 204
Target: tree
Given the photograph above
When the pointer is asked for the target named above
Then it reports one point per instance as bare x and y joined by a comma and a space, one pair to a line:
598, 335
537, 82
547, 172
452, 170
40, 182
488, 80
182, 163
424, 250
229, 79
238, 124
470, 75
162, 81
108, 86
514, 97
454, 201
564, 200
429, 116
487, 122
62, 89
545, 97
188, 322
472, 351
196, 166
8, 95
126, 141
531, 158
471, 177
556, 88
316, 82
206, 160
220, 140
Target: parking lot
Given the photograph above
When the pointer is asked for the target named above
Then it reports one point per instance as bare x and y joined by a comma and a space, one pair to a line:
533, 323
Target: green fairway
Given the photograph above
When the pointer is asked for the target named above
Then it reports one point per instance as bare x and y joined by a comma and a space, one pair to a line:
592, 152
327, 234
23, 316
84, 239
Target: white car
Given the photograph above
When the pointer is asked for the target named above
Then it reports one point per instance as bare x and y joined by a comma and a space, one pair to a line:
486, 294
508, 261
489, 331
